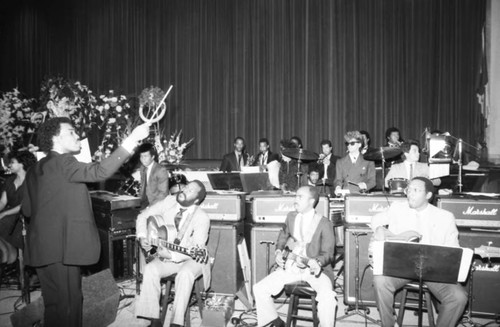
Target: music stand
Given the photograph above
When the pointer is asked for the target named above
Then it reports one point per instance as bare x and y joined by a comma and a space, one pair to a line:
423, 262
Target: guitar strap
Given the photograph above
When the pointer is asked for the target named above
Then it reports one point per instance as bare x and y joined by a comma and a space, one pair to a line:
184, 227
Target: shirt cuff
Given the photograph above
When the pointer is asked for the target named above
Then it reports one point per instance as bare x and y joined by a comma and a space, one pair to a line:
129, 144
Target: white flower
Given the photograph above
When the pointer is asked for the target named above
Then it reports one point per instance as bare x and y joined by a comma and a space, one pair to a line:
106, 106
114, 99
119, 108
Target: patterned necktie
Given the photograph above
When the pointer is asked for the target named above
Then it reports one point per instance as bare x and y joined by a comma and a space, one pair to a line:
144, 180
178, 218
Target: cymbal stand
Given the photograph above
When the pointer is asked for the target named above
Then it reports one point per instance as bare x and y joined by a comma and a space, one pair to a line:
383, 169
356, 310
459, 180
299, 172
23, 280
268, 245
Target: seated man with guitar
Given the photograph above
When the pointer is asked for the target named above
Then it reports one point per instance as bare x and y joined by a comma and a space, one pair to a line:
304, 252
174, 233
432, 226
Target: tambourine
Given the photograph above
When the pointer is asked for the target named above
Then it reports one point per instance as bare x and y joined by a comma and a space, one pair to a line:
159, 112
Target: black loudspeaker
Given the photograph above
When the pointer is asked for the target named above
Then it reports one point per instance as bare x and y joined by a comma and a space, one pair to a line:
100, 299
117, 253
227, 276
367, 294
485, 278
258, 251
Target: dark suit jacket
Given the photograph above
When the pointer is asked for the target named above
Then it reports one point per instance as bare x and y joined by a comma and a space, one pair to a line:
229, 162
62, 226
321, 247
331, 170
157, 185
361, 171
271, 156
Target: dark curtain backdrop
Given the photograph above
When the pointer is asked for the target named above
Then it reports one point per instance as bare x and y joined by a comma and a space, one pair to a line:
262, 68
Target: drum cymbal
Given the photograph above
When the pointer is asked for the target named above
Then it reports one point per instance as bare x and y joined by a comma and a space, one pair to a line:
327, 183
300, 154
388, 152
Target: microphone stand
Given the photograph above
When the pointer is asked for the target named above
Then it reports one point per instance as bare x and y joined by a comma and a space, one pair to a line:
459, 162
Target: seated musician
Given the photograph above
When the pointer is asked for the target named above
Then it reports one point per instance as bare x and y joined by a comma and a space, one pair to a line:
410, 167
310, 238
435, 227
289, 173
182, 214
353, 172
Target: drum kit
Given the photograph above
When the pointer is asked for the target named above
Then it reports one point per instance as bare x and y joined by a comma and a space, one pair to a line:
301, 155
396, 185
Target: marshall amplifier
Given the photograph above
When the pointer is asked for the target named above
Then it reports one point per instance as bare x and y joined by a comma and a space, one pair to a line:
470, 212
274, 209
359, 209
224, 207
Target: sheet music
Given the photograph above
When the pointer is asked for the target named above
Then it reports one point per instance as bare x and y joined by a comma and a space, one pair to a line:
377, 248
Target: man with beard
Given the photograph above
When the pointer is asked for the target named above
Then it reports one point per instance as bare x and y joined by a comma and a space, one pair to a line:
310, 236
183, 213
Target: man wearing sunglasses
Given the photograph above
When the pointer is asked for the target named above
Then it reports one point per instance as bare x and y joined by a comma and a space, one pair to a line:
353, 172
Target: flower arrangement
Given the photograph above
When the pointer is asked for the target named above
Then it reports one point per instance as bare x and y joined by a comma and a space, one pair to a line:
16, 124
151, 97
172, 150
113, 118
64, 98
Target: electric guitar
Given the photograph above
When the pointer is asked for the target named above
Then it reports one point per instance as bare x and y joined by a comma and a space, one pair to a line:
486, 251
291, 257
163, 236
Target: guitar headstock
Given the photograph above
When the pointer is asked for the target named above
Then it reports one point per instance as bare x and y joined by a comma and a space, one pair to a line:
199, 254
485, 251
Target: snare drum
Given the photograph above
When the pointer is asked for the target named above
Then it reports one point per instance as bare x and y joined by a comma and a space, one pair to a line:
398, 185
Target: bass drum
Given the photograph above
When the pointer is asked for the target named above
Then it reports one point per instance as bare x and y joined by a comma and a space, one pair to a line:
398, 185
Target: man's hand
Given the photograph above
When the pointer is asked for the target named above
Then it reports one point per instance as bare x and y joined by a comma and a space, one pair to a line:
338, 190
145, 243
362, 186
279, 258
314, 267
140, 132
164, 252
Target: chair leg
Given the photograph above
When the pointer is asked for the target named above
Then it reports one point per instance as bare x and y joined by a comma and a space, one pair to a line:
315, 312
401, 312
295, 310
430, 313
197, 290
164, 303
290, 311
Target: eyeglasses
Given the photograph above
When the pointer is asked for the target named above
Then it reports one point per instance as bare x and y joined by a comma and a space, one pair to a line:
352, 143
413, 190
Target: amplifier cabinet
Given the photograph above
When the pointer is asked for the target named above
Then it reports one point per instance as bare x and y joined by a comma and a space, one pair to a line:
470, 212
108, 201
485, 277
359, 209
224, 207
121, 219
262, 260
227, 276
117, 253
274, 209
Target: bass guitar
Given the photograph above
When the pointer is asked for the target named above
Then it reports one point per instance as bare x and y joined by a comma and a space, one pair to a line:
290, 257
164, 236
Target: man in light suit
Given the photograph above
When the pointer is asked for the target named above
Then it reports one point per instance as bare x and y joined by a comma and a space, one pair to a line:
233, 161
353, 172
314, 239
194, 226
410, 168
62, 234
154, 177
435, 227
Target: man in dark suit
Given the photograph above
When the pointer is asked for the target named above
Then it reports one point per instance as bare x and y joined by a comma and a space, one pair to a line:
326, 166
62, 234
312, 237
233, 161
154, 177
265, 155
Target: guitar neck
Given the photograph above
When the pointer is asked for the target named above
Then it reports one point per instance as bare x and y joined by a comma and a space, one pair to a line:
170, 246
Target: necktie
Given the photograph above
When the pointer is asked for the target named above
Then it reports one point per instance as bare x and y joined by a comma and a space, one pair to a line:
144, 180
239, 161
411, 171
178, 218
